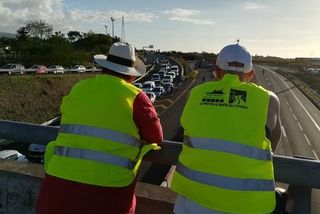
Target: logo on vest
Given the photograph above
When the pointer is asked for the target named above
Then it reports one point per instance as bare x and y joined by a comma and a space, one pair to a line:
237, 99
215, 97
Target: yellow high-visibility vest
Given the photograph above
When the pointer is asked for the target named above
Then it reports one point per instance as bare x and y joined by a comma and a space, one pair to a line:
98, 142
227, 165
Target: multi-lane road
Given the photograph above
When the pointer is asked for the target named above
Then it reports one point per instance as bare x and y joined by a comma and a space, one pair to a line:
300, 118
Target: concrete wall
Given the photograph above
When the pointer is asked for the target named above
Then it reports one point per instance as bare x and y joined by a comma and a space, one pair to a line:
20, 184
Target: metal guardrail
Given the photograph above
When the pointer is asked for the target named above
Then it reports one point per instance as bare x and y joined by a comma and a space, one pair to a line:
301, 174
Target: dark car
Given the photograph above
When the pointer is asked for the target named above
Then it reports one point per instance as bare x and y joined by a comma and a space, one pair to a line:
168, 88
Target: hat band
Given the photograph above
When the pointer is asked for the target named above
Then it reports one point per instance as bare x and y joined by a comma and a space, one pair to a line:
121, 61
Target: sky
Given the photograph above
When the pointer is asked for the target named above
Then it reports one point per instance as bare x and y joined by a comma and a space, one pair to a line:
283, 28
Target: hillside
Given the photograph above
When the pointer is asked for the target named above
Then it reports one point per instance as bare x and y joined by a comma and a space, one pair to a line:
34, 98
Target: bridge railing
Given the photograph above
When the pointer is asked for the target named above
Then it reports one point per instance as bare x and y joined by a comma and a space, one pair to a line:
301, 174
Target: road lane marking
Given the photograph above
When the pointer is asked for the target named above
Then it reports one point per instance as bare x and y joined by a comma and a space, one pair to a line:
269, 84
290, 109
170, 101
295, 117
287, 103
191, 84
161, 106
315, 154
305, 136
314, 122
283, 132
300, 127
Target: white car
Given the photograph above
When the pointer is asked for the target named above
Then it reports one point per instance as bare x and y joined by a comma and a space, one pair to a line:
13, 155
148, 85
138, 85
12, 68
151, 96
78, 68
175, 69
167, 78
56, 69
172, 73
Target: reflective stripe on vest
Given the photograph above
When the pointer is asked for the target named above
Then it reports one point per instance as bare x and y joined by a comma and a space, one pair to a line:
94, 156
226, 182
231, 147
103, 133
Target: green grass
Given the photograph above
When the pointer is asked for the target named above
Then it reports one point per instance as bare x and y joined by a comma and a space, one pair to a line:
34, 98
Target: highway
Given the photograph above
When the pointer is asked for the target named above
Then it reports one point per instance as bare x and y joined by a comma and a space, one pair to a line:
300, 120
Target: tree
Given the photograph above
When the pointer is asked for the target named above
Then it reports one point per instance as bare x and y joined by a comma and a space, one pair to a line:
74, 36
59, 34
22, 33
38, 29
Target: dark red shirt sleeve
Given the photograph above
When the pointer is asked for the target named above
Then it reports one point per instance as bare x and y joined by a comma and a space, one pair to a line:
146, 119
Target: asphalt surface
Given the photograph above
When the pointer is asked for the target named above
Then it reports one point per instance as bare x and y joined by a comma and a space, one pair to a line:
300, 120
169, 110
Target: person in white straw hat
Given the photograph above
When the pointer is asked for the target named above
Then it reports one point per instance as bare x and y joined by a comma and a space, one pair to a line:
121, 59
231, 126
107, 126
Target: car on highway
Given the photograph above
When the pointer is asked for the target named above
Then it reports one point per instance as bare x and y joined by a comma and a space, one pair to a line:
167, 78
55, 69
78, 68
12, 69
172, 73
168, 88
37, 69
155, 77
92, 69
13, 155
162, 73
138, 85
165, 67
148, 85
151, 96
175, 69
158, 91
158, 82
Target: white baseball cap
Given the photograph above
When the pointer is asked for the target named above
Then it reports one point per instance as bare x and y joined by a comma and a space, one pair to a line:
122, 59
234, 58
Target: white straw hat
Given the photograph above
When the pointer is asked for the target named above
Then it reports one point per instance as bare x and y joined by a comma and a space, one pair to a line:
234, 58
122, 59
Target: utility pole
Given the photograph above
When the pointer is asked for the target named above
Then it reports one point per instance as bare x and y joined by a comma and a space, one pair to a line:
123, 34
112, 20
106, 27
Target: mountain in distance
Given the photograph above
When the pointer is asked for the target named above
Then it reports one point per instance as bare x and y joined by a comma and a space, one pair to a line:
8, 35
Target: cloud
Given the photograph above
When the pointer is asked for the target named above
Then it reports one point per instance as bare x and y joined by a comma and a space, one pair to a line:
252, 6
179, 12
98, 16
186, 15
16, 13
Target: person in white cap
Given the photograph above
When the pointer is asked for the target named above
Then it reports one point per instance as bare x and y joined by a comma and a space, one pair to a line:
231, 126
107, 126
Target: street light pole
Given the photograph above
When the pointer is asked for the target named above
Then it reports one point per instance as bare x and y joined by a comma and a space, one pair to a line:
112, 20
